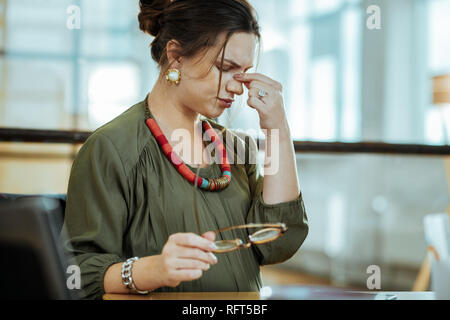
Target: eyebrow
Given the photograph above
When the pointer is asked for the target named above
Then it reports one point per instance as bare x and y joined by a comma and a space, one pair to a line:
235, 64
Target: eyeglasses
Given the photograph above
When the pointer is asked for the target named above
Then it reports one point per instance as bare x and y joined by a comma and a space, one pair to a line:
270, 232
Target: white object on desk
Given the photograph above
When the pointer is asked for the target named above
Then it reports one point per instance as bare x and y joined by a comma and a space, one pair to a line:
440, 279
437, 236
437, 233
411, 295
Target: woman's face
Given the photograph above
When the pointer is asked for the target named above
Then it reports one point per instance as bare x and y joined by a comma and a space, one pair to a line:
198, 87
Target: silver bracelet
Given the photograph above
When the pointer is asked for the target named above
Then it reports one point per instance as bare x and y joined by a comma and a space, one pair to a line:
127, 279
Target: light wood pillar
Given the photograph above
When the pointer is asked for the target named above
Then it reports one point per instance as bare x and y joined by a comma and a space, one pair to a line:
441, 99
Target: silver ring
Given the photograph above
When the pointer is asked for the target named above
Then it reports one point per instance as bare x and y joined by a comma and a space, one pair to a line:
262, 93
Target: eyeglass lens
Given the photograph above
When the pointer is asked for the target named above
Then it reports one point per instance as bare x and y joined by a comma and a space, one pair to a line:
261, 236
224, 245
265, 235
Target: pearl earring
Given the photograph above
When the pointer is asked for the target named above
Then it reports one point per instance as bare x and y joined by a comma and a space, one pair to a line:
173, 76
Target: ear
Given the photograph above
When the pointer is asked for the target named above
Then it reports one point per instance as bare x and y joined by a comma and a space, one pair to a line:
172, 57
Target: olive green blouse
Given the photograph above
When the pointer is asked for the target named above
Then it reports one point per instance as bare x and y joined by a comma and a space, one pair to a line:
125, 198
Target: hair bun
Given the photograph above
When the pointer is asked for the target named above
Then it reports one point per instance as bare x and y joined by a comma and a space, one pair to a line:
150, 15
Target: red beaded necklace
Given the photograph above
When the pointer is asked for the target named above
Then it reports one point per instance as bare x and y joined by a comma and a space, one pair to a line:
206, 184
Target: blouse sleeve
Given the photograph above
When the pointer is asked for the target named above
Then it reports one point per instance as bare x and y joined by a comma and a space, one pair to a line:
96, 212
292, 213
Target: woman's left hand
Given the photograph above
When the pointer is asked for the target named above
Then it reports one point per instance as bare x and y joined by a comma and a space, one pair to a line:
270, 108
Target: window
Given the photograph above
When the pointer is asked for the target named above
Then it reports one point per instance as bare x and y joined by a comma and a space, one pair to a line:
338, 84
58, 77
111, 87
312, 48
438, 117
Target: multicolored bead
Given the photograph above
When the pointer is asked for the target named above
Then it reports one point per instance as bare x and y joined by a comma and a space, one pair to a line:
205, 184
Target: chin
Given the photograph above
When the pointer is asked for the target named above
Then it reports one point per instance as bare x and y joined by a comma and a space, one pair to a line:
214, 112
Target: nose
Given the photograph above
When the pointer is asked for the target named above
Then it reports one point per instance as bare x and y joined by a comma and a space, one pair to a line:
234, 86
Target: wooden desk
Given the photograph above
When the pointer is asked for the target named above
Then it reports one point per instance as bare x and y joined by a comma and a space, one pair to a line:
186, 296
403, 295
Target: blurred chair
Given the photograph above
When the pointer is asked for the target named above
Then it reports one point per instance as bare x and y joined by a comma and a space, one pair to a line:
31, 252
57, 219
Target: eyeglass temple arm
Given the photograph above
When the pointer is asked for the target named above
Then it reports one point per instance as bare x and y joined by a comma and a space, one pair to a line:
254, 225
195, 194
251, 225
195, 202
197, 220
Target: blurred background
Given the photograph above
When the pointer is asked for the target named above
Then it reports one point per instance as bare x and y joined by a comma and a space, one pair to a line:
353, 71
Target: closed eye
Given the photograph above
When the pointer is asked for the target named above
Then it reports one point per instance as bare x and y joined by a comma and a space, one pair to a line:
224, 69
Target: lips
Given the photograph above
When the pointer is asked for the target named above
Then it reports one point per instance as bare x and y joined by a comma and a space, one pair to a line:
229, 101
226, 103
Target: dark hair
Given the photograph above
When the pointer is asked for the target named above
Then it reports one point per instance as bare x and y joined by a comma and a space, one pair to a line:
195, 24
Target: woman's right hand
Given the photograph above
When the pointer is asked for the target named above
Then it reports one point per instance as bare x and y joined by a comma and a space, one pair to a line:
185, 256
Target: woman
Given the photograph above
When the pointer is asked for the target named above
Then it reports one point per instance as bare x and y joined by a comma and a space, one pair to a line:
128, 198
